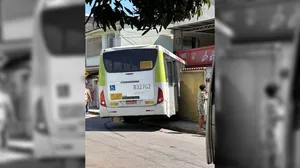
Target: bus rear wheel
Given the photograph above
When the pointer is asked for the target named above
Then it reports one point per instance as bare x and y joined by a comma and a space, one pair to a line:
131, 120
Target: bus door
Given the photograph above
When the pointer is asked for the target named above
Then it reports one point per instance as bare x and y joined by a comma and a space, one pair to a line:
176, 84
171, 85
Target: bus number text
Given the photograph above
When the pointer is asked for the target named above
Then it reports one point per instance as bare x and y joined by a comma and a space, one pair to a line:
141, 86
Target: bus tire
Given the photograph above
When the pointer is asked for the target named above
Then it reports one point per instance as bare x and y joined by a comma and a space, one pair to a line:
131, 120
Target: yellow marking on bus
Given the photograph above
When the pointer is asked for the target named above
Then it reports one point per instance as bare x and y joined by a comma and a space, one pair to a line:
149, 102
160, 72
102, 73
114, 104
146, 64
116, 96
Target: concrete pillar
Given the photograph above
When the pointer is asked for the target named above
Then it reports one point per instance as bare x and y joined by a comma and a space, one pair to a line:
177, 40
104, 40
117, 39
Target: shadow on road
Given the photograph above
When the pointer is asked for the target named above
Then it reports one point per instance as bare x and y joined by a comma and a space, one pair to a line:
173, 132
199, 135
51, 163
105, 124
32, 163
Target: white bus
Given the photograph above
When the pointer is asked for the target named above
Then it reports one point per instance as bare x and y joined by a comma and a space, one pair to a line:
137, 81
57, 100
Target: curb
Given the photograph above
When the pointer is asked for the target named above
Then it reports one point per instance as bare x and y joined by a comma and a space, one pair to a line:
21, 150
91, 111
170, 127
18, 147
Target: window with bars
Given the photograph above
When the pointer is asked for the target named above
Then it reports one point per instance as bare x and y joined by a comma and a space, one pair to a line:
110, 40
93, 46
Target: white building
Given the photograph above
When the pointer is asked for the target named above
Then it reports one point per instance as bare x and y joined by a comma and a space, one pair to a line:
97, 39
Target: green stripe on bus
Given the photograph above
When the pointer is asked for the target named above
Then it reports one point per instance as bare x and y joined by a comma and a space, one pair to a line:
102, 73
160, 72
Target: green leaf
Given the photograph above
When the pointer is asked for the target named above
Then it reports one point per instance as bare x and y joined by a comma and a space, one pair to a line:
129, 11
105, 23
88, 2
118, 4
189, 5
198, 12
113, 25
207, 2
104, 27
168, 21
146, 32
156, 30
160, 28
122, 23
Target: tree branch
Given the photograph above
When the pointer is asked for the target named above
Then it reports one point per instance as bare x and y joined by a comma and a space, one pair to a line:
87, 20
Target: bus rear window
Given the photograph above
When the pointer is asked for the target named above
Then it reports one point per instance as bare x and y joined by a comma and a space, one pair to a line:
63, 30
130, 60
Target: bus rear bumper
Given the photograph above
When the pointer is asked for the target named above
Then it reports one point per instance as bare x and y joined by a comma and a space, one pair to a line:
159, 109
46, 147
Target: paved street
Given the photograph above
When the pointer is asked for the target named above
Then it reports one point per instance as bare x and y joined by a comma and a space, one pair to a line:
38, 164
12, 156
118, 145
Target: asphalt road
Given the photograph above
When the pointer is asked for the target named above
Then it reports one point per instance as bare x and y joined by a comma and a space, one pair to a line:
8, 156
30, 163
119, 145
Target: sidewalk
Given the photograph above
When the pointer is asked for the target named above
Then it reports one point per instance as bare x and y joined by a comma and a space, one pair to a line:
181, 126
25, 146
94, 111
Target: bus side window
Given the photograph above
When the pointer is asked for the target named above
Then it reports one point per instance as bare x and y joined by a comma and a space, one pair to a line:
170, 73
166, 68
175, 77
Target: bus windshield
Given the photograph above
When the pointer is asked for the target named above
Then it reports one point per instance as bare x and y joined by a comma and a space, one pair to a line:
64, 37
130, 60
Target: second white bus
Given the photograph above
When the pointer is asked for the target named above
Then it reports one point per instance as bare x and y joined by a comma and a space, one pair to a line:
137, 81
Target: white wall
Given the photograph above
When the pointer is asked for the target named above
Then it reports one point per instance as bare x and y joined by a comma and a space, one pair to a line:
130, 36
93, 61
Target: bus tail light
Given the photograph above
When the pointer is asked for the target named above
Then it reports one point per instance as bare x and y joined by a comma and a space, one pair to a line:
102, 99
41, 124
160, 97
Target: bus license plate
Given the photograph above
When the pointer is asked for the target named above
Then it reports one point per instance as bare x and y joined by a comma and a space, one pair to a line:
116, 96
131, 102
